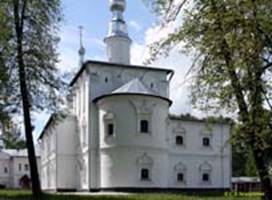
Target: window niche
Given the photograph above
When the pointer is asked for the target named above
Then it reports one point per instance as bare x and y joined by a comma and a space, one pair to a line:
109, 124
206, 139
180, 173
179, 136
144, 111
145, 164
205, 173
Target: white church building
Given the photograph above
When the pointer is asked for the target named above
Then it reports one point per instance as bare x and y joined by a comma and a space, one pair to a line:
120, 136
15, 169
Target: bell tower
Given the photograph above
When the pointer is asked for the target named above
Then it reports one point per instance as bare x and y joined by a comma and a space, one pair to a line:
117, 41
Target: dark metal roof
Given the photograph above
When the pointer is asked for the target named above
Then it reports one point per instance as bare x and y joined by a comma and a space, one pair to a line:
115, 65
138, 94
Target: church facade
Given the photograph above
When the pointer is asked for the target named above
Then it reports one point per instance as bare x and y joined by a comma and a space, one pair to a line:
120, 136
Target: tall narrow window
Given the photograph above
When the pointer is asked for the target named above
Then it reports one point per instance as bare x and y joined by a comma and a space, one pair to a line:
20, 167
26, 167
144, 174
144, 126
179, 140
5, 170
206, 142
110, 129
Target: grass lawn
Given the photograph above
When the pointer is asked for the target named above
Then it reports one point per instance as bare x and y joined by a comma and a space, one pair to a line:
26, 195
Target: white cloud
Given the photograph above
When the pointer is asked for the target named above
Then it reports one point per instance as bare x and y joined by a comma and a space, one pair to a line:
135, 25
179, 87
138, 52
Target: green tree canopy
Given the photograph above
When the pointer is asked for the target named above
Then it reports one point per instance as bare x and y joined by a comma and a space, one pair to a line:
31, 81
231, 41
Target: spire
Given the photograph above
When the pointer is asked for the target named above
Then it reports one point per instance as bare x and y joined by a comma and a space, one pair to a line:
81, 51
118, 42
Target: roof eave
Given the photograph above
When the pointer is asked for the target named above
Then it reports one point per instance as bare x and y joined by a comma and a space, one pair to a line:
86, 63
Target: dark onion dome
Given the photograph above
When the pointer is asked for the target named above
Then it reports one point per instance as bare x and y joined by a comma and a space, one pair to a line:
119, 5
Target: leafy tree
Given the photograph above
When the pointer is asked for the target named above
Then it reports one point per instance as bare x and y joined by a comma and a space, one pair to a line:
250, 167
231, 41
11, 136
30, 61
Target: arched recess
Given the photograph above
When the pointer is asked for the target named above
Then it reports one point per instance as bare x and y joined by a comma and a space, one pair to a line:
205, 173
145, 165
180, 173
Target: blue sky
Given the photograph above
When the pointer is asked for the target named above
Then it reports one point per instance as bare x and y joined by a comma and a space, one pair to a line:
94, 16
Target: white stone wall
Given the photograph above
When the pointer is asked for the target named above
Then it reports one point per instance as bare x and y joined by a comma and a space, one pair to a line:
13, 168
118, 49
5, 171
58, 159
193, 154
121, 154
105, 79
85, 158
20, 167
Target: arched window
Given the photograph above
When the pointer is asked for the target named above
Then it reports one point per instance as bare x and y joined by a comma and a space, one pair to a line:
144, 174
206, 142
179, 140
206, 173
144, 126
180, 173
145, 164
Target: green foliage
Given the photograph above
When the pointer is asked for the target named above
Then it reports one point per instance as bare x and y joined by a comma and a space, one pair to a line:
246, 165
231, 41
44, 81
13, 141
250, 166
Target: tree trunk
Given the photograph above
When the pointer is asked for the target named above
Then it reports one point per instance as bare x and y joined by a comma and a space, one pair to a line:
36, 188
263, 173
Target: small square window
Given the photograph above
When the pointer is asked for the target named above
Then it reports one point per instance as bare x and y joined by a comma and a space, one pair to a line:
110, 129
206, 142
144, 126
180, 177
144, 174
205, 177
179, 140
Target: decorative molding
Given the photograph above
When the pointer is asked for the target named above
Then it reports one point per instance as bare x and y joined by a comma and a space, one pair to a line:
145, 160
